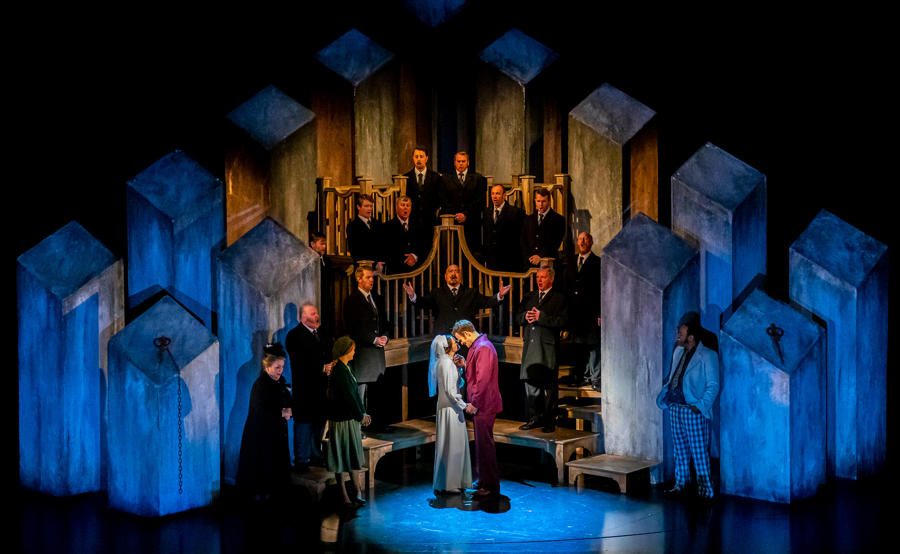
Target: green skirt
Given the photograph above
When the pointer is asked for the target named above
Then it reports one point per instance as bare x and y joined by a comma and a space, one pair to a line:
345, 451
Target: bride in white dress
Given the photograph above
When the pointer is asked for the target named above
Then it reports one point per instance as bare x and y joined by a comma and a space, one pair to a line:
452, 465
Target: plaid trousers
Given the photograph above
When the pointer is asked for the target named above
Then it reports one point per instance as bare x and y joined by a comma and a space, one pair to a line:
690, 432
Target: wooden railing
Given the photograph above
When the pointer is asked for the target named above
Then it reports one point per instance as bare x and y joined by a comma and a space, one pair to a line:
336, 204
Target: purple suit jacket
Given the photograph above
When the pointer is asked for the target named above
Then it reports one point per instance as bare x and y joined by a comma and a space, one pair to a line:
482, 373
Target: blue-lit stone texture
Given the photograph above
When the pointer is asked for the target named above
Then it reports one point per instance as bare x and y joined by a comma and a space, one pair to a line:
650, 279
260, 275
840, 274
772, 401
719, 204
613, 161
163, 413
434, 12
270, 165
175, 229
509, 106
383, 132
70, 301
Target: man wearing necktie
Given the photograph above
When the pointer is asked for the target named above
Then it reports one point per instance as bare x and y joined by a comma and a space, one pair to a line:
407, 243
309, 347
543, 315
583, 288
454, 301
501, 227
688, 394
542, 231
366, 324
422, 186
462, 195
365, 238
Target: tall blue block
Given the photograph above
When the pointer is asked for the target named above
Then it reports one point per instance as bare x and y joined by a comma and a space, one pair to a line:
164, 414
772, 405
70, 292
650, 279
272, 167
434, 12
719, 204
260, 276
176, 226
841, 275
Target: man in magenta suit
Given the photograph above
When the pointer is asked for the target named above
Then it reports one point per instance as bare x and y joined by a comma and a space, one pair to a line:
484, 402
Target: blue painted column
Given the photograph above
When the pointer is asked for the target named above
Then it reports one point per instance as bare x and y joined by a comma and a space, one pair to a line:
264, 279
772, 404
70, 293
509, 107
840, 274
613, 161
164, 414
719, 204
176, 227
650, 279
434, 12
270, 166
380, 128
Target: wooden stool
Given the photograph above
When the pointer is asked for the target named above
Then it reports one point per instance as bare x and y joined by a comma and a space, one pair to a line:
620, 468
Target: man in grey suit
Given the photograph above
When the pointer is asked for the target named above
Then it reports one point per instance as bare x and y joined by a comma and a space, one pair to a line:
543, 313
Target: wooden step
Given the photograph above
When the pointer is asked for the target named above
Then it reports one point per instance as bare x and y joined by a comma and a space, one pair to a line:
581, 413
622, 469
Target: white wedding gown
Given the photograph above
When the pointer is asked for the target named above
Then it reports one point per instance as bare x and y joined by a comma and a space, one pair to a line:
452, 464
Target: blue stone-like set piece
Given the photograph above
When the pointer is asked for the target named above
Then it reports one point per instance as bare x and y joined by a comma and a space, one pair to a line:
264, 278
518, 56
176, 226
354, 56
69, 303
163, 413
612, 113
434, 12
649, 280
270, 116
840, 274
772, 401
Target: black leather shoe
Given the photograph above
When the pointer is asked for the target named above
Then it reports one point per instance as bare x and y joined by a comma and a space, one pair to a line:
530, 424
675, 492
596, 387
359, 501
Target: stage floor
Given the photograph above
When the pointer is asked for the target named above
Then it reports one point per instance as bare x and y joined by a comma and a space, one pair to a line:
531, 515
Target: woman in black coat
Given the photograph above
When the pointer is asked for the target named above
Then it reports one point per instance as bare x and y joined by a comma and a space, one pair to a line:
265, 462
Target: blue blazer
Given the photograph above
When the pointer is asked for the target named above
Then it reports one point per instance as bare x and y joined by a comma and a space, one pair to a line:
700, 383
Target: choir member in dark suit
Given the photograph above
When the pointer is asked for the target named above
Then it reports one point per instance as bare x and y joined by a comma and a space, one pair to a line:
502, 228
543, 313
455, 301
542, 231
309, 347
264, 466
364, 234
422, 186
366, 324
326, 279
404, 239
462, 195
583, 288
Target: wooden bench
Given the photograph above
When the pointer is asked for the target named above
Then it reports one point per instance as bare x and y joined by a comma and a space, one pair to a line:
622, 469
581, 413
560, 444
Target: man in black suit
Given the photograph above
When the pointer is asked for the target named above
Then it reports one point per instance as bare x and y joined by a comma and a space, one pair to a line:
502, 227
404, 239
455, 301
364, 235
583, 287
309, 348
542, 231
365, 322
462, 194
422, 186
543, 313
326, 279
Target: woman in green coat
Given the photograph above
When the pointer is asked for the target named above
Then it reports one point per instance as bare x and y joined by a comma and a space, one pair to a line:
345, 414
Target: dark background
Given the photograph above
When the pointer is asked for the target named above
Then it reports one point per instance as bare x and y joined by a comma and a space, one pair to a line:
97, 96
